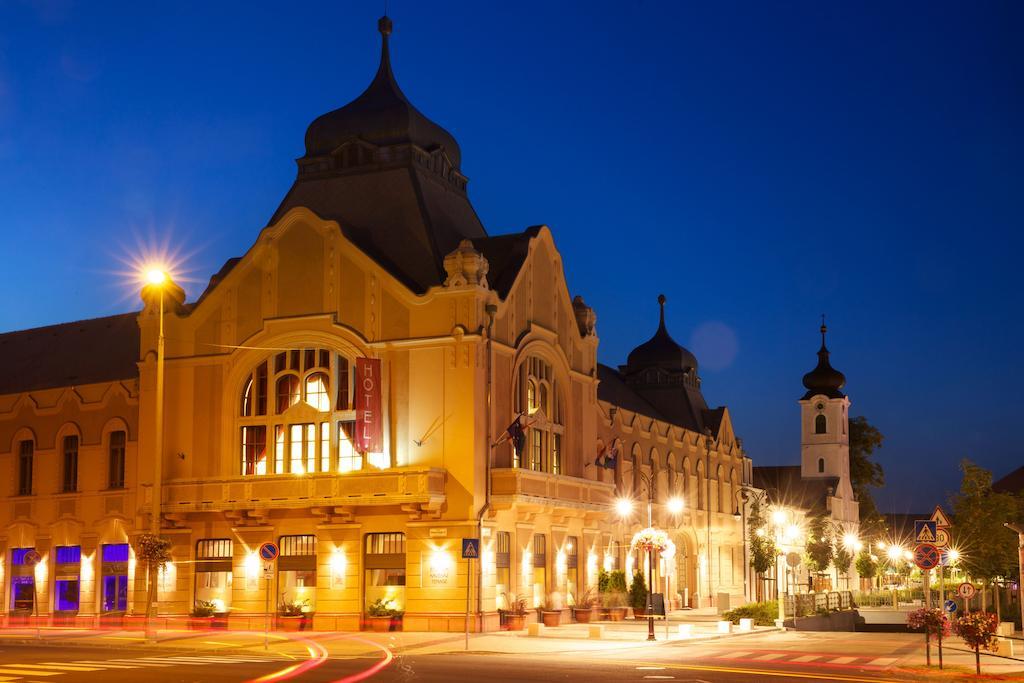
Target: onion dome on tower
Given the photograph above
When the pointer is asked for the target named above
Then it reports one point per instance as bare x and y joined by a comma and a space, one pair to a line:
390, 177
824, 380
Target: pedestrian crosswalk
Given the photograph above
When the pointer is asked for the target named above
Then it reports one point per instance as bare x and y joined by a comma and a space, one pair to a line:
38, 671
794, 657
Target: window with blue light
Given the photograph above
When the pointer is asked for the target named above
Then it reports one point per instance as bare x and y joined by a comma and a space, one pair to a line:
115, 552
68, 554
18, 556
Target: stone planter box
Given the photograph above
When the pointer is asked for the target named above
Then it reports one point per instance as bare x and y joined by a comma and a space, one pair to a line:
617, 613
379, 624
515, 622
302, 622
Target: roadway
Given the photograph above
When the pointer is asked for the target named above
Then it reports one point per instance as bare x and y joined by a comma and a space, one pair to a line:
850, 657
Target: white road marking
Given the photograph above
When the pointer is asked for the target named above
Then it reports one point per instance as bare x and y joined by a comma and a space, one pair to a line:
23, 672
807, 658
105, 665
769, 656
883, 661
660, 677
59, 666
842, 660
730, 655
650, 668
138, 662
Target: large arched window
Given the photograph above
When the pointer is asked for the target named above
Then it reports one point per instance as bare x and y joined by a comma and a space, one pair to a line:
309, 425
538, 398
701, 488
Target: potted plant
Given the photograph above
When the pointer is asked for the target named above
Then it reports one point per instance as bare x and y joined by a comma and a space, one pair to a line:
295, 615
550, 612
201, 617
514, 617
638, 596
613, 596
583, 610
382, 615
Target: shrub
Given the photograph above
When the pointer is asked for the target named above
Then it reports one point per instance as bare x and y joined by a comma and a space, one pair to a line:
638, 592
204, 608
763, 613
930, 620
977, 629
383, 608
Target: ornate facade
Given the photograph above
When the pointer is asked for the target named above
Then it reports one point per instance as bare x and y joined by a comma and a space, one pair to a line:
375, 253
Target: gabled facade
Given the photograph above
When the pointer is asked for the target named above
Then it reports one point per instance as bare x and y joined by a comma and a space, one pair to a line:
375, 253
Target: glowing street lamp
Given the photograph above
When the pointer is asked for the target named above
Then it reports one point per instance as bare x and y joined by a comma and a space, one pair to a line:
675, 505
157, 279
624, 507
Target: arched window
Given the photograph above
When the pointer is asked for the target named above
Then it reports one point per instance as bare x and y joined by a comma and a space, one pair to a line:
538, 396
312, 423
26, 457
701, 487
821, 465
118, 442
820, 424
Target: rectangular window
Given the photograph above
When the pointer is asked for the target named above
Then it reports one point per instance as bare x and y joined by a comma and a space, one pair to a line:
114, 577
26, 451
294, 364
295, 448
310, 359
536, 450
117, 446
572, 572
539, 583
66, 577
296, 572
70, 480
294, 546
254, 450
280, 362
349, 459
325, 446
556, 453
502, 568
261, 389
385, 569
23, 584
213, 573
69, 554
279, 449
343, 384
325, 359
311, 445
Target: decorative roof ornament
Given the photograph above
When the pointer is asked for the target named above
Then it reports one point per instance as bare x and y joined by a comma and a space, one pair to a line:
824, 379
586, 318
466, 267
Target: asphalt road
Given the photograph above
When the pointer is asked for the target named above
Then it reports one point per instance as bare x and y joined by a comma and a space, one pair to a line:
820, 657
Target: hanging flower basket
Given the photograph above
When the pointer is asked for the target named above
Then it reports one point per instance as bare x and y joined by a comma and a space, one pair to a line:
651, 539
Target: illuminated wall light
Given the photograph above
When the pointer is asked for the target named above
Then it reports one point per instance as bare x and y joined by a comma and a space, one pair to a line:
40, 571
560, 563
87, 567
609, 562
527, 563
252, 564
440, 560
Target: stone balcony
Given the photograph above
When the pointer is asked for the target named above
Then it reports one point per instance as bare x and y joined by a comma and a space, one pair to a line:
522, 487
411, 487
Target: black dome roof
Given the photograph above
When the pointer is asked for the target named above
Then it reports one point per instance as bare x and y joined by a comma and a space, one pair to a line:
824, 379
382, 115
661, 350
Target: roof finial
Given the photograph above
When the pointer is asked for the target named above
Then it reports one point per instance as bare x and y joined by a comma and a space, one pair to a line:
823, 330
661, 302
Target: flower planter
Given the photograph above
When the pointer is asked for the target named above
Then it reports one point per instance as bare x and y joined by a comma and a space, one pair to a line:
583, 616
200, 623
379, 624
288, 622
617, 613
551, 618
516, 622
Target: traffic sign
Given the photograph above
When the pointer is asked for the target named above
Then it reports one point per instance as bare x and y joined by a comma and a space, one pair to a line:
470, 548
926, 556
269, 551
941, 538
32, 558
966, 590
268, 570
950, 606
940, 518
924, 530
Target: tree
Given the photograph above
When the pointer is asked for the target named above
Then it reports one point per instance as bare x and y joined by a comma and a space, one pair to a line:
979, 513
638, 592
867, 565
842, 561
154, 552
866, 474
819, 544
762, 545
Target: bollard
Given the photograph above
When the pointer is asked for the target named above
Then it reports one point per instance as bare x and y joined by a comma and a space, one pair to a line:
725, 627
535, 629
596, 631
685, 630
746, 624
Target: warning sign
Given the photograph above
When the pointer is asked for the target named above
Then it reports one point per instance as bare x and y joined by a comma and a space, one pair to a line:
925, 531
940, 519
470, 548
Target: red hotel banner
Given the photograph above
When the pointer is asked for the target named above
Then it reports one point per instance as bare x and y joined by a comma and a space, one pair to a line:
369, 419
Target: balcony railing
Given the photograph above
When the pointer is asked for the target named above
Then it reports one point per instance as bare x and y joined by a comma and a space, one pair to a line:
424, 486
518, 485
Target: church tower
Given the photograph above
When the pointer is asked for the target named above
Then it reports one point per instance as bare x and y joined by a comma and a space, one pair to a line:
824, 425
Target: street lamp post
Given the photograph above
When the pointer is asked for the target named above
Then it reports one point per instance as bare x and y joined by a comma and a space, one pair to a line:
624, 507
158, 280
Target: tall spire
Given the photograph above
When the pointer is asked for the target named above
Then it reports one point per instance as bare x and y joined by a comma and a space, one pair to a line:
824, 379
384, 25
661, 303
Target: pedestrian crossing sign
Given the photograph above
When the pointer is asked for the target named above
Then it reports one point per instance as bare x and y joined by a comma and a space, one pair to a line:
925, 531
470, 548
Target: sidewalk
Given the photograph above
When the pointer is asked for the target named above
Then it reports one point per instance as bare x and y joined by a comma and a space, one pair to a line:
561, 639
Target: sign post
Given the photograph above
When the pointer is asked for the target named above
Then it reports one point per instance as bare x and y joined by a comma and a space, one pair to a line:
268, 553
470, 552
942, 543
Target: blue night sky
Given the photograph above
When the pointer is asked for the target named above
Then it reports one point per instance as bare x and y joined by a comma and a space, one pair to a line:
758, 163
